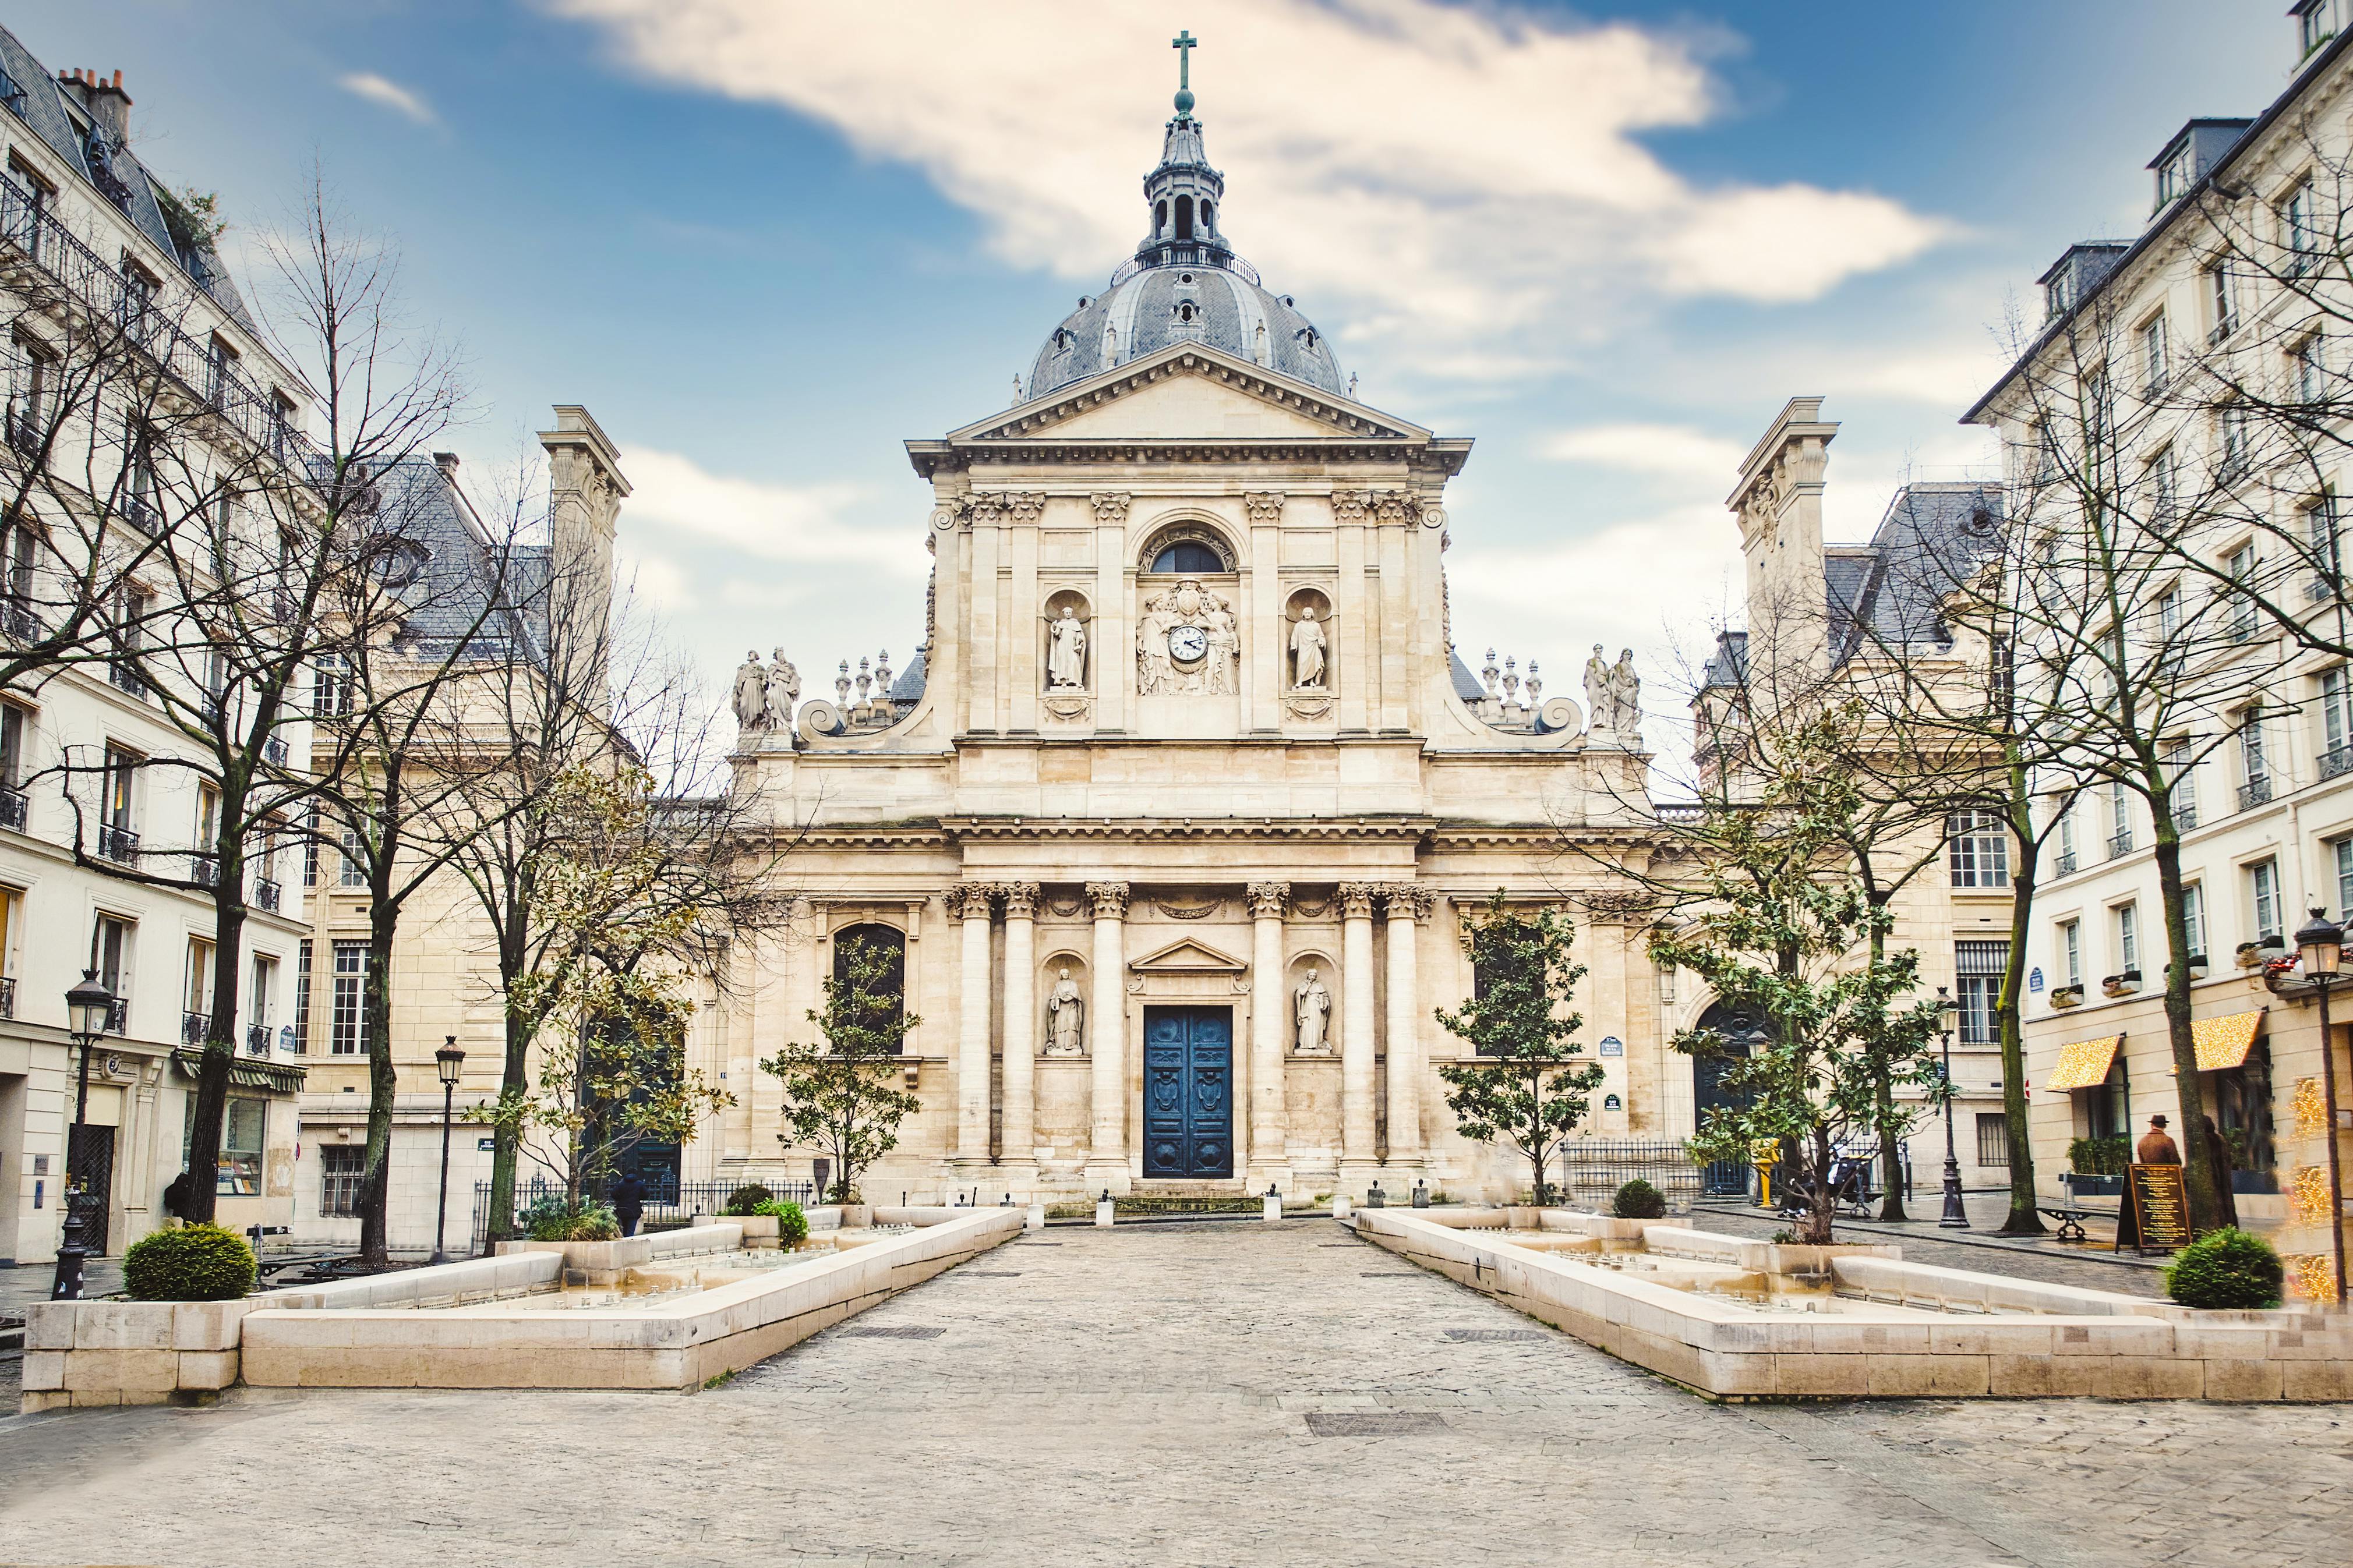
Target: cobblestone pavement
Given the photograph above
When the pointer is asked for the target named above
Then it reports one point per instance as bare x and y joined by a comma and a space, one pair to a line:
1180, 1395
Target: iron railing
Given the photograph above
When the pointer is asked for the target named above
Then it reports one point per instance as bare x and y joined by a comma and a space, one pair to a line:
194, 1027
119, 844
1593, 1169
25, 432
16, 807
20, 623
668, 1201
2120, 845
126, 678
204, 869
2063, 864
2254, 793
266, 894
100, 286
2185, 817
117, 1015
143, 515
1190, 253
7, 997
274, 751
257, 1039
2337, 762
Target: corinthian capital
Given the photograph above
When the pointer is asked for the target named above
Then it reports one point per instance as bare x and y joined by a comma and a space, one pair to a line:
1356, 900
1267, 899
970, 901
1020, 899
1110, 899
1407, 901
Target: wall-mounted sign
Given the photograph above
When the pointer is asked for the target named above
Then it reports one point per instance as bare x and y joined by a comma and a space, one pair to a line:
486, 1145
2034, 980
1611, 1045
1611, 1103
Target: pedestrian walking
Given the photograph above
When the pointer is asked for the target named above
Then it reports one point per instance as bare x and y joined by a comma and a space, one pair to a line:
628, 1201
2156, 1146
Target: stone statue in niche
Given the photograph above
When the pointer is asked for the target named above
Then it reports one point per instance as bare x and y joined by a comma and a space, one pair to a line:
1307, 651
1311, 1012
1187, 642
750, 700
1626, 695
1066, 652
1066, 1014
782, 691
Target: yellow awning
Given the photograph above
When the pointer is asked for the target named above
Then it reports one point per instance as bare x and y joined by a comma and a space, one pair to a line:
2224, 1042
2084, 1064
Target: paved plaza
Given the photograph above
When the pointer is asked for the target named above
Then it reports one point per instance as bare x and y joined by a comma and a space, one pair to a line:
1208, 1394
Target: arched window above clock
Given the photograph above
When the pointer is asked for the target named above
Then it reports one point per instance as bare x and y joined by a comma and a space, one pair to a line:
1188, 549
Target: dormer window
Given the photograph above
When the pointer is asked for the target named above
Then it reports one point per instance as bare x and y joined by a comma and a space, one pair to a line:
1184, 310
2315, 24
2174, 177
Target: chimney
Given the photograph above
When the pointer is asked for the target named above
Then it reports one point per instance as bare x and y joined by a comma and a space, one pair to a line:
448, 463
107, 102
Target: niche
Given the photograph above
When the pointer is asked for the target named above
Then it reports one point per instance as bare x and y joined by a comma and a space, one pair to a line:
1065, 643
1309, 653
1061, 1031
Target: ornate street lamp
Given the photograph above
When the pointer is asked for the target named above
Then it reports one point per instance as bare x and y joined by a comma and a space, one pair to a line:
1957, 1215
449, 1061
87, 1006
2321, 946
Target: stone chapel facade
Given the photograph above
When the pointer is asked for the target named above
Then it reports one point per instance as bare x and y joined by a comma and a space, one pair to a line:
1177, 815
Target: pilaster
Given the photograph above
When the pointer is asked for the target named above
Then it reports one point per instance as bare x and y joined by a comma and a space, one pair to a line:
1270, 1018
1359, 1156
1016, 1153
1107, 1030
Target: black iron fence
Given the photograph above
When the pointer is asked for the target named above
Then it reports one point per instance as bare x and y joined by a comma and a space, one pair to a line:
668, 1204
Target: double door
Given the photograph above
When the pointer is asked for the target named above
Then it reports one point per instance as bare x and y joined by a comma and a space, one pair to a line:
1189, 1092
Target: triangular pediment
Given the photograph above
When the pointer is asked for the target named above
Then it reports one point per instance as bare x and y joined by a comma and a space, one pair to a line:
1187, 956
1190, 392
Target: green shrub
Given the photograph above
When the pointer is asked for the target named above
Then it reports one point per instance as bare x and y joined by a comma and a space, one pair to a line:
2226, 1268
555, 1222
747, 1199
194, 1263
791, 1224
2099, 1156
1638, 1200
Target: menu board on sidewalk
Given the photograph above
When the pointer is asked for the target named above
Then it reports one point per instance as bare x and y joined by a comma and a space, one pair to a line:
2155, 1214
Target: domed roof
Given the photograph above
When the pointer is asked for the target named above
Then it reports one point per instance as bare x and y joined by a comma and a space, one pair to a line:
1185, 284
1148, 310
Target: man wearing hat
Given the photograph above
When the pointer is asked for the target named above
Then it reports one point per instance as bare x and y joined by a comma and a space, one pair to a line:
2156, 1148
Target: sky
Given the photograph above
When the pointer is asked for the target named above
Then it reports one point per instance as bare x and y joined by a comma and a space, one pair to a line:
765, 241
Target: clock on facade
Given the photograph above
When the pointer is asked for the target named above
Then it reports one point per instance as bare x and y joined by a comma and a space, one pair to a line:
1188, 645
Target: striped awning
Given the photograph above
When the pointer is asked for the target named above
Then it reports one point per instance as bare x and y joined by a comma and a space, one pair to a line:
2224, 1042
2084, 1063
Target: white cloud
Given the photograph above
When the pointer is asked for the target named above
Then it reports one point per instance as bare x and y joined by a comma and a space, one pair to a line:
389, 93
1465, 184
802, 525
1675, 450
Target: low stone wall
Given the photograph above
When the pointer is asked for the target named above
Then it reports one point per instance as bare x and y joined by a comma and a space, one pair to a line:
2062, 1342
603, 1262
368, 1333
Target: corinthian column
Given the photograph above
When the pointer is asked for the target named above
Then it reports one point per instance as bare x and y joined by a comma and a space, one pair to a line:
1407, 903
1359, 1160
1018, 1154
971, 903
1107, 1038
1270, 1015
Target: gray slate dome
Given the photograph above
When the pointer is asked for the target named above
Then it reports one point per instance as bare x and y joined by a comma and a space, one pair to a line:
1146, 313
1185, 284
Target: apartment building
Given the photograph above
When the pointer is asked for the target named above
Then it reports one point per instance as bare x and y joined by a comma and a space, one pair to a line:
119, 311
2183, 390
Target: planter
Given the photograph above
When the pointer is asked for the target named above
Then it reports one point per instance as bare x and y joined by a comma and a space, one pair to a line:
2067, 996
760, 1231
2084, 1186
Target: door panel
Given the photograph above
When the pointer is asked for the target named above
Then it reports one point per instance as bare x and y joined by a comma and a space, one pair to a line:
1187, 1091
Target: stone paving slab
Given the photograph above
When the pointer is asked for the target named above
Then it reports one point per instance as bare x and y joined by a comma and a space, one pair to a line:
1141, 1397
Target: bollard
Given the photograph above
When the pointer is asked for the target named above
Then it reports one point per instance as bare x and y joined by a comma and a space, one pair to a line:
1339, 1205
1270, 1205
1103, 1209
1376, 1199
1421, 1195
1037, 1220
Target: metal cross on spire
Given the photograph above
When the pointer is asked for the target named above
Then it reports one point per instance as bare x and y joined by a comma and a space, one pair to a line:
1184, 43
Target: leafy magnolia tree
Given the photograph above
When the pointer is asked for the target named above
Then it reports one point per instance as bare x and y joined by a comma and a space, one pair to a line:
844, 1096
1527, 1085
1785, 933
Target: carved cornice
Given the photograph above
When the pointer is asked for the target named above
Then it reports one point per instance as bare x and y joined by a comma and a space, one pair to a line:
1020, 899
1356, 900
1164, 830
1267, 899
1109, 899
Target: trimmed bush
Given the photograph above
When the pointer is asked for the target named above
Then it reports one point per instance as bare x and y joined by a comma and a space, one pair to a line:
746, 1200
792, 1226
2226, 1268
1638, 1200
555, 1222
194, 1263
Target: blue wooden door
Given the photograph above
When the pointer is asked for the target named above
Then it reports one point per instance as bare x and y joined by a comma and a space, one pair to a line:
1189, 1076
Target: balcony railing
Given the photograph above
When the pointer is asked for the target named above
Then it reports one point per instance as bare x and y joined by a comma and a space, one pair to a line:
16, 807
266, 895
126, 677
194, 1027
2065, 865
7, 997
2254, 793
274, 751
203, 870
257, 1039
119, 844
2185, 817
2337, 762
25, 431
143, 515
20, 623
2120, 845
102, 285
117, 1015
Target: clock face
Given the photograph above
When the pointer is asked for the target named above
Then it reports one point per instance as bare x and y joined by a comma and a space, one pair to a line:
1188, 644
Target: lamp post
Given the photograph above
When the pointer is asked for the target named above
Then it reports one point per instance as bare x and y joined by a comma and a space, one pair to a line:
1957, 1215
449, 1061
87, 1006
2321, 946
